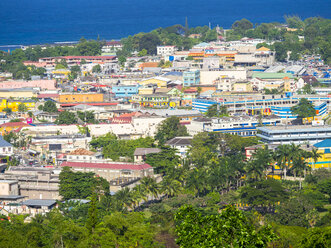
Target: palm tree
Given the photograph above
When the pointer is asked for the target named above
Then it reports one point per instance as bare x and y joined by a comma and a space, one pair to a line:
299, 167
171, 188
150, 186
315, 156
260, 163
282, 157
124, 196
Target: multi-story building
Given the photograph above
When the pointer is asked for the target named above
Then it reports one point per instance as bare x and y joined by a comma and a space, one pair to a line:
125, 90
166, 50
151, 100
243, 126
298, 134
73, 60
264, 104
191, 78
112, 46
34, 183
113, 170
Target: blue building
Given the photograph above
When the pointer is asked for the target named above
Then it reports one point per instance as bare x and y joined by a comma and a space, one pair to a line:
278, 106
191, 78
286, 113
125, 90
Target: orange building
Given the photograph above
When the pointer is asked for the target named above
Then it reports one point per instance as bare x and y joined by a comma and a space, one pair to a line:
80, 98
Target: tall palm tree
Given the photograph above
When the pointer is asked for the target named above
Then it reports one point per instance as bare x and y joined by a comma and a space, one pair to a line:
171, 188
150, 186
315, 156
299, 167
124, 196
282, 157
260, 163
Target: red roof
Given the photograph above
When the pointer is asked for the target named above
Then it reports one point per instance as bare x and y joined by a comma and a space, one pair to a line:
14, 124
111, 166
121, 119
48, 95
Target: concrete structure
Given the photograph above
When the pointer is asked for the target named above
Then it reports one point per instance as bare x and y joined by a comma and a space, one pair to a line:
34, 183
9, 187
294, 134
209, 77
114, 170
166, 50
191, 78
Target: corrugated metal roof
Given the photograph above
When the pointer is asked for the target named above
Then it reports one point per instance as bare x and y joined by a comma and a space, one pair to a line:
39, 202
110, 166
4, 143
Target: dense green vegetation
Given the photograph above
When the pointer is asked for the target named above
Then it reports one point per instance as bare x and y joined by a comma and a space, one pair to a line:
114, 148
212, 198
315, 30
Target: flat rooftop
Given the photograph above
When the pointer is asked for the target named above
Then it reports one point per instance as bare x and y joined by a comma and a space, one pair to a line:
307, 128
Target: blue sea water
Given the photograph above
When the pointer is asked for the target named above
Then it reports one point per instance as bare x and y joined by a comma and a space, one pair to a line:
47, 21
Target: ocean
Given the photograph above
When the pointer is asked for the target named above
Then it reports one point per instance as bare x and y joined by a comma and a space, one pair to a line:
25, 22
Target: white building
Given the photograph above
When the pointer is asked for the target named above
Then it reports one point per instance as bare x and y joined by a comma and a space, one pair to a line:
166, 50
300, 134
6, 149
182, 144
209, 77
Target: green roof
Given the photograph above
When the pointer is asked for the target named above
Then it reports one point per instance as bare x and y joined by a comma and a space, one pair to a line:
271, 75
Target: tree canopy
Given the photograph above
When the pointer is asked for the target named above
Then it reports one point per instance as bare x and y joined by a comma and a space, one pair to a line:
303, 109
170, 128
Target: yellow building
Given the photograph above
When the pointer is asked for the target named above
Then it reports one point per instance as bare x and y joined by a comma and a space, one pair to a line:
61, 73
242, 86
80, 98
146, 91
324, 149
13, 104
11, 126
161, 82
17, 93
151, 100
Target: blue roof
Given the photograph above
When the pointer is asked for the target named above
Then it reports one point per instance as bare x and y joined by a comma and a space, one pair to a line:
324, 143
174, 73
4, 143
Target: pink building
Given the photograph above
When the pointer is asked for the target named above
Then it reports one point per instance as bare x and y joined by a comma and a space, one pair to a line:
77, 59
35, 63
43, 84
